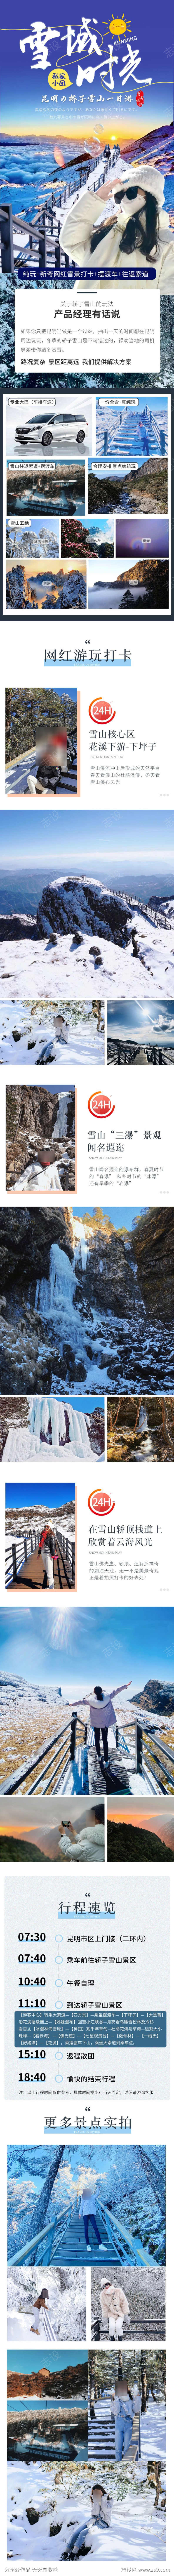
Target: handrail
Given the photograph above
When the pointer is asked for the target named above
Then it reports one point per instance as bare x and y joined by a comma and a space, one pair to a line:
158, 1759
19, 1550
39, 2239
51, 1762
61, 1743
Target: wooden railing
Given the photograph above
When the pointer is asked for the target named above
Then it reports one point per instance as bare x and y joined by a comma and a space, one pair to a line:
19, 1550
49, 1767
67, 1550
152, 1754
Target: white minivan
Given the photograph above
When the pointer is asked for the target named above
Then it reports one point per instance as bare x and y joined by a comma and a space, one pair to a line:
47, 430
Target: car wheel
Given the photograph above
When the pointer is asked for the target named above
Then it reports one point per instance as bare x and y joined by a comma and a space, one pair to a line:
47, 441
80, 437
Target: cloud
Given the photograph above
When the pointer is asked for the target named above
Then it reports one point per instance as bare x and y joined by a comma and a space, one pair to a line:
59, 1633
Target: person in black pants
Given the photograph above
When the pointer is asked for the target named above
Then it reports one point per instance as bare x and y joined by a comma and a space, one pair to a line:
104, 1733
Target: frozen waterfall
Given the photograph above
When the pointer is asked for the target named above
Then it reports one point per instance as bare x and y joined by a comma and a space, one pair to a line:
43, 1409
57, 1292
79, 1232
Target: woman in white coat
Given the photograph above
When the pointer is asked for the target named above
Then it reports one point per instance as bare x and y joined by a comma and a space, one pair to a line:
125, 225
71, 1841
101, 2504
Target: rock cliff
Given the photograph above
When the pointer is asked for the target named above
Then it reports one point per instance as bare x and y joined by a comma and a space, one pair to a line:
26, 1237
153, 1240
155, 1696
72, 906
48, 2383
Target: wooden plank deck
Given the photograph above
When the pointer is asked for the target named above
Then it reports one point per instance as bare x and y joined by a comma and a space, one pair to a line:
32, 1575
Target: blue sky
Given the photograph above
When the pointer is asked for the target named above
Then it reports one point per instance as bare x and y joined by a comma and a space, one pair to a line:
77, 1648
82, 837
138, 1014
23, 2361
103, 521
52, 1496
119, 1216
87, 1404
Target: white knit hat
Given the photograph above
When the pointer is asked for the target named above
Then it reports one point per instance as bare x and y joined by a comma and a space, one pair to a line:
146, 176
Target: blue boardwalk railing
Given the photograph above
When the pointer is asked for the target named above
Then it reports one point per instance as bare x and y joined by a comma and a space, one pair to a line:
66, 2232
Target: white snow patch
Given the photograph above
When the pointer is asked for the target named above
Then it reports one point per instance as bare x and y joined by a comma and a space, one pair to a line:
116, 970
136, 2530
35, 1178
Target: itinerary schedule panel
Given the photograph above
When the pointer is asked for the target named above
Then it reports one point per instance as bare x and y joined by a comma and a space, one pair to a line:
61, 1957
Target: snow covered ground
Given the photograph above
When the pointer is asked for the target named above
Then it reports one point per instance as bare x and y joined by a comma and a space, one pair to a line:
115, 970
63, 2317
35, 1178
32, 1030
33, 960
153, 2429
136, 2530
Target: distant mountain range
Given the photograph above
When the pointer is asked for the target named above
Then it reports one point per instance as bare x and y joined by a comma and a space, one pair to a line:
48, 2383
158, 146
136, 1842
